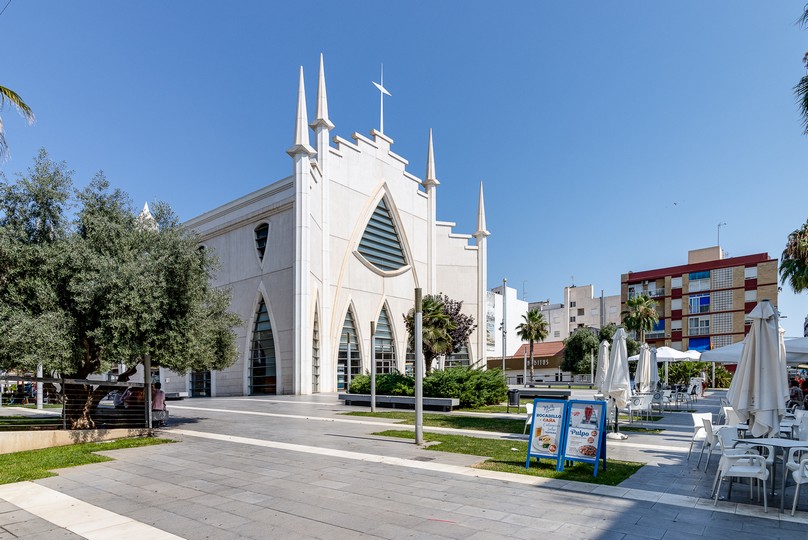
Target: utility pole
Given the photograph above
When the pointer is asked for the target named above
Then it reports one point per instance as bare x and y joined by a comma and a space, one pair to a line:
419, 368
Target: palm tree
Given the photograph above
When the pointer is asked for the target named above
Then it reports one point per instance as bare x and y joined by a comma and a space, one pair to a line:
640, 315
10, 96
794, 261
436, 329
801, 89
534, 328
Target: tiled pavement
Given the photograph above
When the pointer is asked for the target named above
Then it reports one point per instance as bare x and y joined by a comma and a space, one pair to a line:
292, 467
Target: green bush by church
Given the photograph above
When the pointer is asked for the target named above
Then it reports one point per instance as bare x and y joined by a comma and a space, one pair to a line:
473, 387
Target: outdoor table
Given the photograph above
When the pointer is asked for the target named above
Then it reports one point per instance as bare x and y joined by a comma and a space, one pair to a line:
784, 445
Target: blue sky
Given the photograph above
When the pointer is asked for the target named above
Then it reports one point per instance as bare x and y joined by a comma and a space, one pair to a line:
610, 136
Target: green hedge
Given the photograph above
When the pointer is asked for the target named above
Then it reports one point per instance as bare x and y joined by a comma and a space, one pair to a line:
473, 387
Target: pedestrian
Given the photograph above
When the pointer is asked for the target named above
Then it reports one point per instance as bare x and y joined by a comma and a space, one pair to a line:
159, 412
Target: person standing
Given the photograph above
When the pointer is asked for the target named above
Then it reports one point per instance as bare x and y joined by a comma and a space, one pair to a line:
158, 404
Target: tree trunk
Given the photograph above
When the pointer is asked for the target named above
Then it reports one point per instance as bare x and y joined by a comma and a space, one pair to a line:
531, 360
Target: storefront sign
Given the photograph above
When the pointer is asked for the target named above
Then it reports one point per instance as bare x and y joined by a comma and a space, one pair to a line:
546, 429
584, 433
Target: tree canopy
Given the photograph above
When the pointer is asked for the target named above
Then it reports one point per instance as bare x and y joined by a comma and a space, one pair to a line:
7, 95
581, 348
640, 315
85, 284
445, 328
532, 328
794, 260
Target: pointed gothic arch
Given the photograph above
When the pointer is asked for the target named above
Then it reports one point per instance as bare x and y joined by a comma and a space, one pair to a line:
384, 350
349, 354
382, 246
263, 362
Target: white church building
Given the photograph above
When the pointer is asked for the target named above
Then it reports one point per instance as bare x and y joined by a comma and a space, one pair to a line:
316, 257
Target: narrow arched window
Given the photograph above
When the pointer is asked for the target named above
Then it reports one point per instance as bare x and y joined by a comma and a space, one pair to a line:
261, 236
315, 357
349, 358
385, 350
263, 372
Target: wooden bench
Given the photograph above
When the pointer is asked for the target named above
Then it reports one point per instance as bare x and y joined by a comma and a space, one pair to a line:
400, 402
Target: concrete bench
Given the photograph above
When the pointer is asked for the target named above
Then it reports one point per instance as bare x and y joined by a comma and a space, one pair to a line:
545, 393
400, 402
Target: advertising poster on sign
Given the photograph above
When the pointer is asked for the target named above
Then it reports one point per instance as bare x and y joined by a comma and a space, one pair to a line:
546, 429
583, 437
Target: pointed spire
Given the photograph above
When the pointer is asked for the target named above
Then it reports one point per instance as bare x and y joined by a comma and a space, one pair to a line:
430, 179
322, 101
145, 220
301, 143
481, 230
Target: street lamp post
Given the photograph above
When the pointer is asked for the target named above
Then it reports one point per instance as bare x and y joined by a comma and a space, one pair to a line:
504, 321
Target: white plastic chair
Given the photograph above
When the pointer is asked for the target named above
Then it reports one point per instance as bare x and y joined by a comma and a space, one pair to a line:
731, 415
743, 466
800, 476
698, 431
529, 419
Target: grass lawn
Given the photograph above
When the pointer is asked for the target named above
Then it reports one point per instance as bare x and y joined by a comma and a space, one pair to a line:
503, 425
34, 464
509, 456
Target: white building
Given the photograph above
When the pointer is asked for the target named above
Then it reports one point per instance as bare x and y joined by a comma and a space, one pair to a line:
581, 308
514, 309
316, 257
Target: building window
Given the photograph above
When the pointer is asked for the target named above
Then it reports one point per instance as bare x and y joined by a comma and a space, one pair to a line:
676, 283
380, 243
722, 278
658, 331
572, 319
581, 312
557, 334
698, 326
676, 324
348, 341
699, 344
315, 357
459, 359
262, 355
573, 304
699, 303
261, 236
750, 296
750, 273
385, 352
676, 304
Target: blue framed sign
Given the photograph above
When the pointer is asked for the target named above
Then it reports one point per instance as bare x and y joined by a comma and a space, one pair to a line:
546, 430
584, 426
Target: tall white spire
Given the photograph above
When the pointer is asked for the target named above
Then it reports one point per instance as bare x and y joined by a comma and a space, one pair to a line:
322, 101
431, 179
301, 143
382, 92
481, 230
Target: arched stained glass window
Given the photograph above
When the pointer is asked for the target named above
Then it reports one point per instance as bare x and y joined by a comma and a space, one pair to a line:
315, 357
385, 352
263, 374
348, 340
380, 243
261, 237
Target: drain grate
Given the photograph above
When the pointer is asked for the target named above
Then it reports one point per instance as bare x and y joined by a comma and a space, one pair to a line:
423, 458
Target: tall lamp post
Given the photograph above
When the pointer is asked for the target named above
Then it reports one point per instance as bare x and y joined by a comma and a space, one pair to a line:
504, 321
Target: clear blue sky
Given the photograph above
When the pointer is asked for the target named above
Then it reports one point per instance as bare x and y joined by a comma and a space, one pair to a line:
611, 136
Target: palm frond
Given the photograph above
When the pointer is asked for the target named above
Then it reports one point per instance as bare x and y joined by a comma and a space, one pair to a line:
12, 97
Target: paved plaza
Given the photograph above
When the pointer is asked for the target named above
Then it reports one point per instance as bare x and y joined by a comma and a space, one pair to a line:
294, 467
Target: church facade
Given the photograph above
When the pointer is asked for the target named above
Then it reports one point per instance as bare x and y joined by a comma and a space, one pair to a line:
313, 259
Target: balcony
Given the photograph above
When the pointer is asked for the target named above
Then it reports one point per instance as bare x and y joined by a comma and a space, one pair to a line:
656, 293
655, 335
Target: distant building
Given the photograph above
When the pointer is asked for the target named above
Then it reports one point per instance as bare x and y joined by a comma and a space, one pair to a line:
581, 308
514, 310
547, 358
703, 304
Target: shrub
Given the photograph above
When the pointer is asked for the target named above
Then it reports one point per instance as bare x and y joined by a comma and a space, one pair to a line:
387, 384
473, 387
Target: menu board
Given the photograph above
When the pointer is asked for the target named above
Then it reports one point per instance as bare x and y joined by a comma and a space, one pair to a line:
583, 432
546, 429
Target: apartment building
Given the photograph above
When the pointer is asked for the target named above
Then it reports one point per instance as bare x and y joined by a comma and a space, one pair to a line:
703, 304
581, 308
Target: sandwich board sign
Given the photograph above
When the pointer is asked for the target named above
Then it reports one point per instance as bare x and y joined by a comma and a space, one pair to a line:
584, 434
546, 430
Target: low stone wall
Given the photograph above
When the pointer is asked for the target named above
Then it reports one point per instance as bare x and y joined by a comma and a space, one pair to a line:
18, 441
